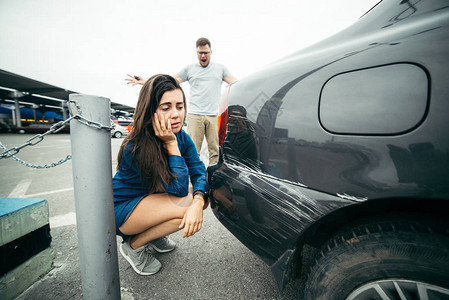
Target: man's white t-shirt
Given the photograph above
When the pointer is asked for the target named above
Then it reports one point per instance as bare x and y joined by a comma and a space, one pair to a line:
205, 87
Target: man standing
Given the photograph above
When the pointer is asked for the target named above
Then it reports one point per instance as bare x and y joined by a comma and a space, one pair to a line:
205, 79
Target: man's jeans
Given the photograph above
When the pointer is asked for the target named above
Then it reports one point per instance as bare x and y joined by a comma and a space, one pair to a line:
199, 126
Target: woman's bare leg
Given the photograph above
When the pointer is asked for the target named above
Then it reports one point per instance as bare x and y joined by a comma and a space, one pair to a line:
155, 232
155, 216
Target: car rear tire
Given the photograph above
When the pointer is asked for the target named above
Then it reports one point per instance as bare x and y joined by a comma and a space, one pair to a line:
117, 134
383, 260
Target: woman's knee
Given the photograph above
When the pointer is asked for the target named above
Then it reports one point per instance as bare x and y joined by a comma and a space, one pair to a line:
182, 202
161, 208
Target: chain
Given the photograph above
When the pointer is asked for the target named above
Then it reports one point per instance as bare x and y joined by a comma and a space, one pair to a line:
83, 120
11, 152
93, 124
47, 166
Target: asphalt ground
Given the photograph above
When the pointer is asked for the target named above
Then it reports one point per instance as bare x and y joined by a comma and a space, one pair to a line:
212, 264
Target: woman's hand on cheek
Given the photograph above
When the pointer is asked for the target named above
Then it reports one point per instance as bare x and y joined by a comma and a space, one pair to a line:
163, 130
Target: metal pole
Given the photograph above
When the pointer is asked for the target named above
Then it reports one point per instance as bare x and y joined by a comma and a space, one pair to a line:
18, 117
92, 168
64, 110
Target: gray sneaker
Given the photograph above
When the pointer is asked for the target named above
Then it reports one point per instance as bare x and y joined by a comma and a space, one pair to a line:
141, 259
163, 244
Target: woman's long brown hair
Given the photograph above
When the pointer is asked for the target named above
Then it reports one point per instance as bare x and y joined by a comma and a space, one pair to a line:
148, 151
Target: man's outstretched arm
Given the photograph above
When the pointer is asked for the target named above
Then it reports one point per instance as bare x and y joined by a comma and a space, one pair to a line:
178, 78
136, 79
229, 79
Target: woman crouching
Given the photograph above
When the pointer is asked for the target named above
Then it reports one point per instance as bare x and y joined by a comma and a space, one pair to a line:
151, 186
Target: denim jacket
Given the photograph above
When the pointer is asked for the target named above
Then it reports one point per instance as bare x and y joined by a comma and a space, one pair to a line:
127, 183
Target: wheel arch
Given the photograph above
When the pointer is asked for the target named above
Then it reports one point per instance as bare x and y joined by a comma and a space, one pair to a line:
324, 228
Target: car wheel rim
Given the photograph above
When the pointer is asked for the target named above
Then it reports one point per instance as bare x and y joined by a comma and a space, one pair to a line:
399, 289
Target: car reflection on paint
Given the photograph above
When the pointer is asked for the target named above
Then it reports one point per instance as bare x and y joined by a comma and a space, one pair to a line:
343, 146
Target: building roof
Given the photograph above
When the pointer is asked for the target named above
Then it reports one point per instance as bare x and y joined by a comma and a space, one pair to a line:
29, 91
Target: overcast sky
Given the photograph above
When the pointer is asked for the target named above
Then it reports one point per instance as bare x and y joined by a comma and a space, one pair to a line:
89, 46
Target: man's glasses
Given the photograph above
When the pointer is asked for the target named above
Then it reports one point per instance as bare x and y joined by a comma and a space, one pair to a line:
204, 53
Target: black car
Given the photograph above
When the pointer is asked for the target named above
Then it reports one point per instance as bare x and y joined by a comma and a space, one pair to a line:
344, 146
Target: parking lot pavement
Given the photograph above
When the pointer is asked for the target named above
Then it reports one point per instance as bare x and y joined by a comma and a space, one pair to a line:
213, 264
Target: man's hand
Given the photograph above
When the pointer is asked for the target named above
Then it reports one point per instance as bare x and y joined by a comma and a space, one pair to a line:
134, 79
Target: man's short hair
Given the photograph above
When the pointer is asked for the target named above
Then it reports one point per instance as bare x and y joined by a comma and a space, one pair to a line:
202, 42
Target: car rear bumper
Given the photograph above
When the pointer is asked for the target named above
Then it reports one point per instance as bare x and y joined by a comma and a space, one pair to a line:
268, 215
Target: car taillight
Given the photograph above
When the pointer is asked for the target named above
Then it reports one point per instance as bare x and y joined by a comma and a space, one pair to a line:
223, 115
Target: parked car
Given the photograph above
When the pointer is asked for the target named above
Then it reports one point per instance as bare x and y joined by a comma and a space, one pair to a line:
118, 131
39, 128
4, 127
125, 123
344, 147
